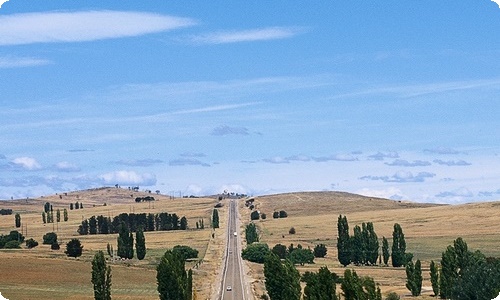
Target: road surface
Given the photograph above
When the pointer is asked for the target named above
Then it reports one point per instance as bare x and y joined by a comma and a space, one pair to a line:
233, 270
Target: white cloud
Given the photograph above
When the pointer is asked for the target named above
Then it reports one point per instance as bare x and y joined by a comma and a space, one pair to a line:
401, 176
388, 193
65, 166
27, 163
405, 163
19, 62
262, 34
452, 162
187, 162
1, 3
498, 3
49, 27
128, 178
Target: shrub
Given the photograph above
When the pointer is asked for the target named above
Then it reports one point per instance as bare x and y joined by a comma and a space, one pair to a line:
283, 214
254, 215
320, 250
31, 243
392, 296
55, 246
185, 252
12, 245
263, 216
292, 230
50, 238
276, 215
280, 250
74, 248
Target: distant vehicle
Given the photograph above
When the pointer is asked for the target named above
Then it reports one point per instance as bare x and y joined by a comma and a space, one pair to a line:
235, 233
229, 288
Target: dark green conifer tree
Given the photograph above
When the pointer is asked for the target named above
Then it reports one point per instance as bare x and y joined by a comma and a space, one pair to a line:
343, 241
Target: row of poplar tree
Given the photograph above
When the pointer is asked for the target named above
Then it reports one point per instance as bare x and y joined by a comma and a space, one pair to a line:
149, 222
362, 248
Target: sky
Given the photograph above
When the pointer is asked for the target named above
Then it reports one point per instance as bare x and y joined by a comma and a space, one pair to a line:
394, 99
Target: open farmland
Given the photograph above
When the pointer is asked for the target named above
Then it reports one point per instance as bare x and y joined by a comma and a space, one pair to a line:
45, 274
428, 230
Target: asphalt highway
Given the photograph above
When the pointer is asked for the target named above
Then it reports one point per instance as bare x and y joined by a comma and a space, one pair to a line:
233, 285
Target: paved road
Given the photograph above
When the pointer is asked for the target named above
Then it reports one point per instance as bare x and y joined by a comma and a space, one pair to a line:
233, 274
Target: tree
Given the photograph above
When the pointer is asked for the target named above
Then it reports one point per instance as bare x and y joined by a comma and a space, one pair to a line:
251, 234
414, 278
71, 206
385, 250
392, 296
74, 248
77, 205
372, 244
254, 215
58, 215
101, 277
283, 214
301, 256
282, 280
46, 207
343, 241
93, 225
357, 247
276, 215
215, 218
183, 223
185, 252
171, 277
50, 238
125, 242
434, 272
399, 255
31, 243
18, 220
321, 285
255, 252
320, 250
140, 244
65, 215
280, 250
44, 219
359, 288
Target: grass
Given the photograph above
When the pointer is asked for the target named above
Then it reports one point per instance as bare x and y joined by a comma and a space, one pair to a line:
428, 230
41, 273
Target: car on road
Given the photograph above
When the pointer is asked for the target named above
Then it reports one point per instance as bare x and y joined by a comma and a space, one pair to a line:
229, 288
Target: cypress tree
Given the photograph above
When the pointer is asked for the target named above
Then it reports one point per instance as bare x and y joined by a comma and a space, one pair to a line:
251, 234
434, 272
125, 242
65, 215
357, 246
93, 225
343, 241
171, 277
282, 279
215, 219
399, 255
101, 277
385, 250
414, 278
140, 244
44, 219
58, 215
321, 285
18, 220
373, 245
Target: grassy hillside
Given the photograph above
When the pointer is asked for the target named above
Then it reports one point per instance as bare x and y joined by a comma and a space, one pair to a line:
51, 275
428, 229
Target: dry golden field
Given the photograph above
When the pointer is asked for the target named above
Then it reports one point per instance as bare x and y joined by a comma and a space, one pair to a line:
41, 273
428, 230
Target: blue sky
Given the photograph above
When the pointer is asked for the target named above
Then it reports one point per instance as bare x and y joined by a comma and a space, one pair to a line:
398, 99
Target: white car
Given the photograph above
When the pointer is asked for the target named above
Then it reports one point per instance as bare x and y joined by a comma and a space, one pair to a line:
229, 288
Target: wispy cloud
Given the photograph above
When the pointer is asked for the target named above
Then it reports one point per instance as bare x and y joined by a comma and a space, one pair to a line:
401, 177
27, 163
128, 178
49, 27
226, 130
405, 163
261, 34
193, 154
452, 163
139, 162
65, 166
20, 62
442, 150
187, 162
460, 192
336, 157
383, 155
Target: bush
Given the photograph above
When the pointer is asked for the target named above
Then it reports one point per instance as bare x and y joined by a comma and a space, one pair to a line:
74, 248
276, 215
50, 238
185, 251
263, 216
255, 252
283, 214
254, 215
320, 250
392, 296
292, 230
280, 250
55, 246
31, 243
12, 245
